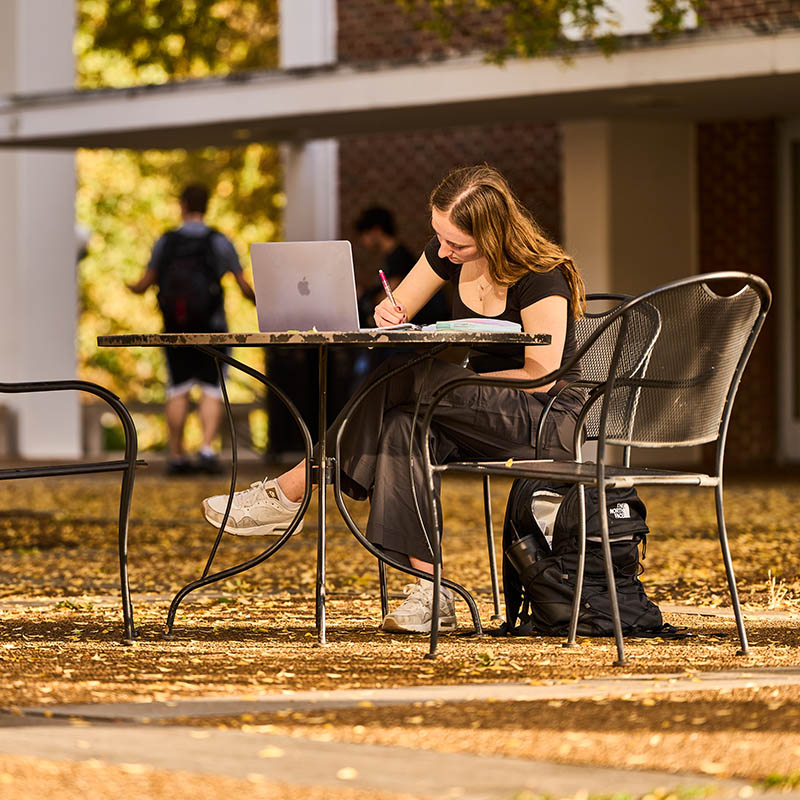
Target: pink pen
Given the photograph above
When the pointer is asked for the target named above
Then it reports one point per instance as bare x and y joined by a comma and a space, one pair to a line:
387, 288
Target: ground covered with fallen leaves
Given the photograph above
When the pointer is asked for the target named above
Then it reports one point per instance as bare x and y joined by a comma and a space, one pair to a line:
42, 779
58, 538
60, 626
746, 733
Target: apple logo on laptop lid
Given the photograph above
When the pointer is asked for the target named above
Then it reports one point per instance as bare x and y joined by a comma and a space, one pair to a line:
302, 287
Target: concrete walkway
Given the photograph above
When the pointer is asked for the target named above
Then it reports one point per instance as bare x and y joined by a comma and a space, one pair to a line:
119, 733
350, 698
305, 762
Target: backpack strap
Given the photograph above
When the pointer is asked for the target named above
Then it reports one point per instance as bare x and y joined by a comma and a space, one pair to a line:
208, 262
171, 239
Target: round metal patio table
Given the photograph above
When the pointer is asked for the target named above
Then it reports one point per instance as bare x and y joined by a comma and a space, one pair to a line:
321, 467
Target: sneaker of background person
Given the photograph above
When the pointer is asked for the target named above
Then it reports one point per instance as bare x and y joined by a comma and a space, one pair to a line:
208, 463
179, 466
261, 510
415, 613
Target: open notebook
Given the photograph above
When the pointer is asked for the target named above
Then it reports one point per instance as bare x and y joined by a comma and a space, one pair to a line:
486, 324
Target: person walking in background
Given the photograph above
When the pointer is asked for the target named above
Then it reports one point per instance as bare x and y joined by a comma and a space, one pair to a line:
377, 232
187, 265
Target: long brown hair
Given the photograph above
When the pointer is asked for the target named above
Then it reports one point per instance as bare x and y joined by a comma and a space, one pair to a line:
480, 203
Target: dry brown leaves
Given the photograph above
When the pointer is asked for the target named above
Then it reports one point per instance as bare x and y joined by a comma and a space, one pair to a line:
747, 733
61, 622
24, 778
58, 538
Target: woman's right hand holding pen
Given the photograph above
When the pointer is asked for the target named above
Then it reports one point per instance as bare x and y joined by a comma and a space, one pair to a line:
388, 314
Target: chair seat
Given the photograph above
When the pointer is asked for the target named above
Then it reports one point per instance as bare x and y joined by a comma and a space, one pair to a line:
579, 472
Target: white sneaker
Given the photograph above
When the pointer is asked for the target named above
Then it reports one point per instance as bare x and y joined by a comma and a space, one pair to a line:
415, 613
257, 511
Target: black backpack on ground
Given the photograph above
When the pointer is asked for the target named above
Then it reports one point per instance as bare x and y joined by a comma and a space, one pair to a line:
189, 291
539, 578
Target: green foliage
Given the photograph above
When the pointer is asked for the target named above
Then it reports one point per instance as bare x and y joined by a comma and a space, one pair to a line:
127, 199
129, 42
534, 28
785, 782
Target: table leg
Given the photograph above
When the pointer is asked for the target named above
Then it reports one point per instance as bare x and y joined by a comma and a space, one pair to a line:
206, 578
323, 469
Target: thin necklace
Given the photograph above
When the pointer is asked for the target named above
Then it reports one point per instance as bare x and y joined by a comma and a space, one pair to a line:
483, 290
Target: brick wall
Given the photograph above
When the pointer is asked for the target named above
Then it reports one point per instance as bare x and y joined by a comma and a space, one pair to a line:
763, 12
736, 180
400, 170
374, 30
736, 199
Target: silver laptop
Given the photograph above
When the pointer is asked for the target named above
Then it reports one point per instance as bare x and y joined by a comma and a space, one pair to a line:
304, 285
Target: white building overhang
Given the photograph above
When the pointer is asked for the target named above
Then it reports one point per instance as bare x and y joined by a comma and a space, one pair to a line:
703, 76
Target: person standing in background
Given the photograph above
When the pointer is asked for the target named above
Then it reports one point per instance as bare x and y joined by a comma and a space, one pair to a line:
377, 233
187, 265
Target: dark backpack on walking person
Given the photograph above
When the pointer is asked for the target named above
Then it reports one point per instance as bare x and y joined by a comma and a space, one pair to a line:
539, 574
189, 290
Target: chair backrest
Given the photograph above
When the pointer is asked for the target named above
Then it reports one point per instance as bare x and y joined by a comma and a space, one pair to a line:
595, 363
684, 393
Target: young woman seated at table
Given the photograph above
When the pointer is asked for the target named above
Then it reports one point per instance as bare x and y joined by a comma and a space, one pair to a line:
501, 266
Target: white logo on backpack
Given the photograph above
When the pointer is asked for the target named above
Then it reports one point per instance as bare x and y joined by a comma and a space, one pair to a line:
620, 511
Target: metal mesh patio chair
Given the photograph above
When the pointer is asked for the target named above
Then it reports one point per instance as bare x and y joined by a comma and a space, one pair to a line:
594, 369
126, 465
682, 396
594, 365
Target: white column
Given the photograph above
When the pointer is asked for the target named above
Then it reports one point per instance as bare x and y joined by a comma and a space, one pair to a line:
311, 184
308, 33
586, 192
653, 203
38, 301
630, 209
311, 167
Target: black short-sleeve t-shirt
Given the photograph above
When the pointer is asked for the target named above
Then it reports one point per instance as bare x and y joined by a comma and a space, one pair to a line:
529, 289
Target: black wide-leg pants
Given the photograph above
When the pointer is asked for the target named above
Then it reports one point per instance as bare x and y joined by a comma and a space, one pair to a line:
471, 422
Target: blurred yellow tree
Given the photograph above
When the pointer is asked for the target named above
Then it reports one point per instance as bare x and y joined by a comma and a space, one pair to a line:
127, 198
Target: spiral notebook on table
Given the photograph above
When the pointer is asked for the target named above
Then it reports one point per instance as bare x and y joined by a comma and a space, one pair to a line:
471, 324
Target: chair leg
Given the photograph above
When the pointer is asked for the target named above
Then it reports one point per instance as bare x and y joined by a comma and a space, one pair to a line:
437, 595
726, 557
125, 498
487, 513
576, 600
436, 546
126, 494
609, 568
437, 599
384, 590
471, 605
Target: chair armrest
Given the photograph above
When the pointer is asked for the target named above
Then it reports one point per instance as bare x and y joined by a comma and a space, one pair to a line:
32, 387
